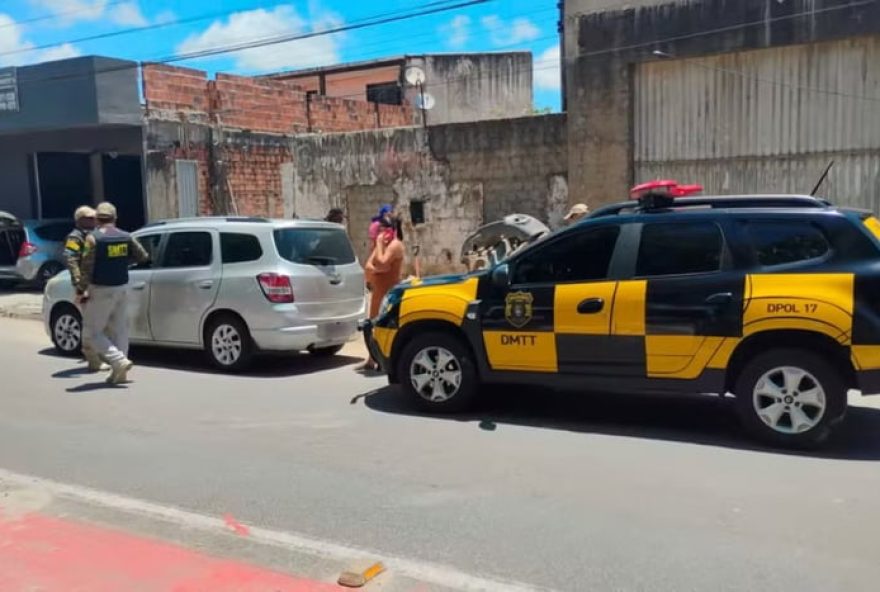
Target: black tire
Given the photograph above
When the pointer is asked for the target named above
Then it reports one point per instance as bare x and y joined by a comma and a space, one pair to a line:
326, 352
458, 399
239, 345
768, 369
64, 323
47, 272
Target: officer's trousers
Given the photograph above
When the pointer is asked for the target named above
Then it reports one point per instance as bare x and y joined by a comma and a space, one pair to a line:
106, 315
88, 350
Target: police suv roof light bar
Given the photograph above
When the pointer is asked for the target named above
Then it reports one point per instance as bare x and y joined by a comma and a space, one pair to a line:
661, 193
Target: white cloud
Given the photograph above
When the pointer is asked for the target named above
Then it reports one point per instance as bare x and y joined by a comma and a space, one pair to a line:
259, 24
128, 14
62, 52
165, 17
547, 72
15, 49
71, 11
504, 33
457, 31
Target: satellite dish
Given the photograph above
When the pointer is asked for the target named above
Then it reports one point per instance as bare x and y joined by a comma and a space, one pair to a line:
414, 76
425, 101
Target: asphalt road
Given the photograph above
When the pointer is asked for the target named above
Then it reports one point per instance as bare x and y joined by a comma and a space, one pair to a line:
570, 492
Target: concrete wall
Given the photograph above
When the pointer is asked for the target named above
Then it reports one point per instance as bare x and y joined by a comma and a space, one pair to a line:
603, 49
84, 91
475, 87
765, 120
16, 150
464, 173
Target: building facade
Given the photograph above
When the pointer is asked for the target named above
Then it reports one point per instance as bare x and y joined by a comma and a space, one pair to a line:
461, 87
746, 96
71, 133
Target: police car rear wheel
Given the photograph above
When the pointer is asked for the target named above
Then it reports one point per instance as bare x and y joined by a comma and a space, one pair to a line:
66, 326
790, 397
436, 371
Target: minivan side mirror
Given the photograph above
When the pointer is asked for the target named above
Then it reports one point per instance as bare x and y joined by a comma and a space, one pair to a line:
501, 276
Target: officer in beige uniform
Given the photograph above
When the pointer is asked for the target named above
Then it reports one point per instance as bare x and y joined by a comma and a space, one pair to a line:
107, 253
84, 220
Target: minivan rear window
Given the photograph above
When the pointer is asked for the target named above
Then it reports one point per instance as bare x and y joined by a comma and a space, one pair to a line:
314, 246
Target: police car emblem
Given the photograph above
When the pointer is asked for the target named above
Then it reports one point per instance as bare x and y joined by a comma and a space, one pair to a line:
518, 308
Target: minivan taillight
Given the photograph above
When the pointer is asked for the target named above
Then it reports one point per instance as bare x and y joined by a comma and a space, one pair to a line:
27, 249
276, 287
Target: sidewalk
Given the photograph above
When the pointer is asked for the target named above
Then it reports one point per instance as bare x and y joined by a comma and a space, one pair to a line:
58, 555
21, 305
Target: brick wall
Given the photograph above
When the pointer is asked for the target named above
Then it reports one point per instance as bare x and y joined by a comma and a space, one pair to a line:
172, 89
258, 104
250, 174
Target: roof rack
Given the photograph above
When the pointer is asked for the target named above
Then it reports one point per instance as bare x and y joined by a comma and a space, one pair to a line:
717, 202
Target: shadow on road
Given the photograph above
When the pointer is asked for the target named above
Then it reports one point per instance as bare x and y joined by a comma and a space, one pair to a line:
701, 420
264, 366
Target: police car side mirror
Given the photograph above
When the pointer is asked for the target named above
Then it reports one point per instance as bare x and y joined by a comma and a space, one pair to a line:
501, 276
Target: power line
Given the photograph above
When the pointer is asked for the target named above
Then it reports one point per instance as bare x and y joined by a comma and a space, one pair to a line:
593, 54
55, 15
155, 26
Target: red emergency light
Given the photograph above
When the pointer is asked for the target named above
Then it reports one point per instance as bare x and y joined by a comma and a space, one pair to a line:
661, 192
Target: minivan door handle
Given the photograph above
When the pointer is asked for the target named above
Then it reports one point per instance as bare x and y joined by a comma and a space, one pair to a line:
139, 285
720, 299
591, 306
205, 284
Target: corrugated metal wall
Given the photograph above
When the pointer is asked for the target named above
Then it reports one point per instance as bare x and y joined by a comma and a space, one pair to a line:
765, 121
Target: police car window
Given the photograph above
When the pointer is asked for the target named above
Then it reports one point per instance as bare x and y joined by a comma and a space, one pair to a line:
679, 248
238, 247
150, 243
578, 256
777, 243
188, 249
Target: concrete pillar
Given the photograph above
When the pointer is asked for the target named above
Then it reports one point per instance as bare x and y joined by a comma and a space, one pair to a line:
600, 132
96, 165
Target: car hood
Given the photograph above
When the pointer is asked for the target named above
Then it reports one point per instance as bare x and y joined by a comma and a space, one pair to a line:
439, 280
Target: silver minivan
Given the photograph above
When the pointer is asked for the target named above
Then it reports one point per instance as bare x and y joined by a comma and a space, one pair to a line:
233, 287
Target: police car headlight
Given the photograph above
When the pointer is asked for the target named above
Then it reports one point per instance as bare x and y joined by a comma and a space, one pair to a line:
389, 301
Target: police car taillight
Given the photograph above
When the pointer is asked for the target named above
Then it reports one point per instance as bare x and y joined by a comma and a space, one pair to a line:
661, 193
276, 287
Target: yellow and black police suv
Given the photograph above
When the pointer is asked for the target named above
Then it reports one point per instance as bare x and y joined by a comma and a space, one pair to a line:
775, 299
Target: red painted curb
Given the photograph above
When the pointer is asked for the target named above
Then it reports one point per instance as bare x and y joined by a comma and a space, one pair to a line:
52, 555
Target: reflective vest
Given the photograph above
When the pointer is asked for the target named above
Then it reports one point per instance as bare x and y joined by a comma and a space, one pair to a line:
111, 257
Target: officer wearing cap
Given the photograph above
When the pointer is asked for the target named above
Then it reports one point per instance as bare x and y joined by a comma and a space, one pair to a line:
107, 253
84, 220
576, 212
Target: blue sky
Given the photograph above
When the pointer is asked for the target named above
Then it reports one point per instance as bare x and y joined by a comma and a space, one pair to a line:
498, 25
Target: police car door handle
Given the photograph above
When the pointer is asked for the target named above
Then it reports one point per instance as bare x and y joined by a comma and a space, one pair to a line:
139, 285
720, 299
591, 306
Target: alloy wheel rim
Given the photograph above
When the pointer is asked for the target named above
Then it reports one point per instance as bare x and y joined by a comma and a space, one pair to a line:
68, 332
789, 400
435, 374
226, 344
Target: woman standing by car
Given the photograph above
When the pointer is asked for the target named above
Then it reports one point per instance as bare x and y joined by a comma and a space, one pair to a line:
384, 268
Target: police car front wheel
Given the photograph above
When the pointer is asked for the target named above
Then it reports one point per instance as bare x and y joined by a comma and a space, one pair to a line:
790, 397
437, 372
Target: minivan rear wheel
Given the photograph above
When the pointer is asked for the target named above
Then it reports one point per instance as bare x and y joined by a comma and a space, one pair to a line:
228, 343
